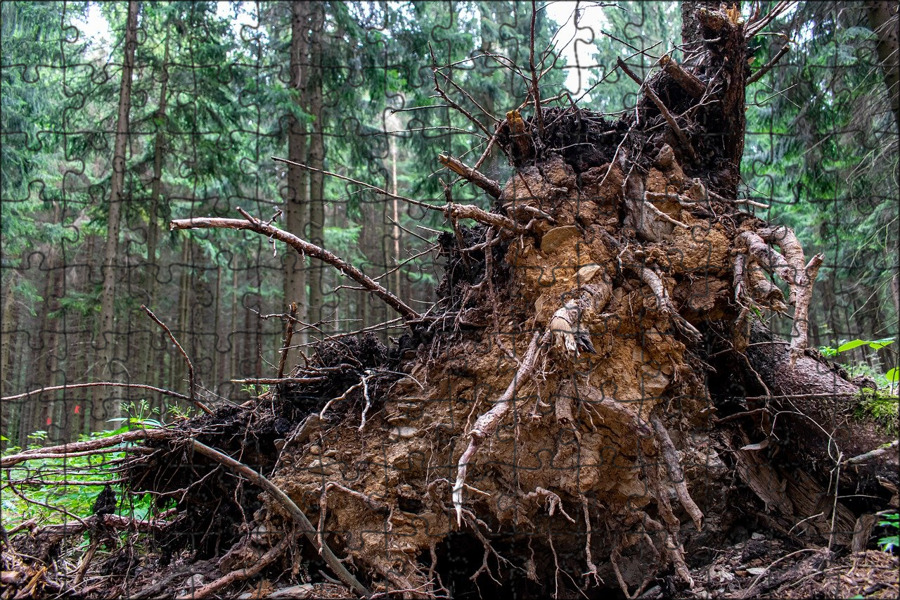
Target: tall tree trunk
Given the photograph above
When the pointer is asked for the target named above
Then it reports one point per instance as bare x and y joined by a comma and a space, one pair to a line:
297, 193
883, 21
106, 336
10, 412
316, 157
48, 366
152, 268
9, 326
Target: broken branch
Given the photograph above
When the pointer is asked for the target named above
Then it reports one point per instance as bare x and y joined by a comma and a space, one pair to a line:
466, 211
687, 81
470, 174
765, 68
304, 248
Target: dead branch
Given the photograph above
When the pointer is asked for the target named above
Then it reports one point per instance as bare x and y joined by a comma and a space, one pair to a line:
489, 421
190, 365
470, 174
673, 125
499, 222
129, 436
240, 574
757, 25
878, 452
448, 100
673, 466
304, 248
687, 81
71, 386
765, 68
292, 509
278, 380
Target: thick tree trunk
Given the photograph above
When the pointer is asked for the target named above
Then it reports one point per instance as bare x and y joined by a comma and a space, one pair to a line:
106, 336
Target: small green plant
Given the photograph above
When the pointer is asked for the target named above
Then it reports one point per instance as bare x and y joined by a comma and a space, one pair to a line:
175, 411
139, 416
887, 380
892, 522
251, 389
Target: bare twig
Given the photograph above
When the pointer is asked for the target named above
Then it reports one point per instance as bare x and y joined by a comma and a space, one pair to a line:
190, 365
535, 92
304, 248
128, 436
758, 25
872, 455
242, 573
305, 526
464, 211
286, 341
279, 380
448, 100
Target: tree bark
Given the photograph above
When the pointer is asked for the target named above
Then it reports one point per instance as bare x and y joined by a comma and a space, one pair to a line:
691, 33
883, 21
107, 333
297, 192
152, 267
316, 157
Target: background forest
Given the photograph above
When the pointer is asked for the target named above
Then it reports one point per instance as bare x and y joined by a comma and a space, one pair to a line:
118, 117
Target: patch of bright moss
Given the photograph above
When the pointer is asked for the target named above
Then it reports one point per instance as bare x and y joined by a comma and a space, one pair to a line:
880, 408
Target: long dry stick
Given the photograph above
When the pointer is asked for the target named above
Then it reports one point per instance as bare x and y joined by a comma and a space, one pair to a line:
286, 340
535, 92
305, 526
190, 365
489, 421
768, 66
72, 386
304, 248
96, 444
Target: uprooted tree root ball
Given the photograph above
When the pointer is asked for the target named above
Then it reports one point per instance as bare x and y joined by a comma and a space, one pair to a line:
492, 449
